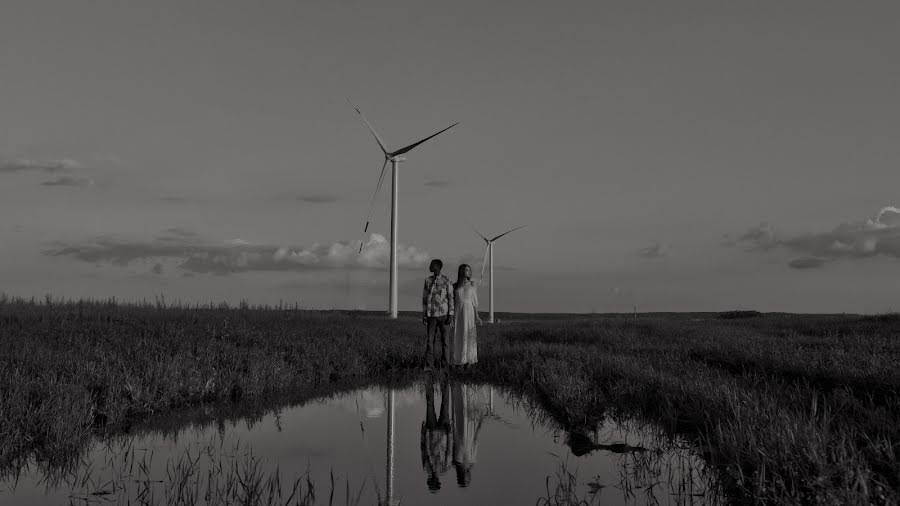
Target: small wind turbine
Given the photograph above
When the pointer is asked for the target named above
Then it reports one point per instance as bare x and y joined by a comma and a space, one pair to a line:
489, 256
395, 157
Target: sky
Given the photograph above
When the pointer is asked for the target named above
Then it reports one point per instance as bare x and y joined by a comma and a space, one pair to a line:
689, 156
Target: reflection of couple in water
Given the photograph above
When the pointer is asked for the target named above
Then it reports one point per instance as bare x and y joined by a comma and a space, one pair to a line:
452, 435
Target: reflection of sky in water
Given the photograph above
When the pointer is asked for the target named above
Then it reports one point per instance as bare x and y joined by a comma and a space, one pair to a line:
370, 401
480, 437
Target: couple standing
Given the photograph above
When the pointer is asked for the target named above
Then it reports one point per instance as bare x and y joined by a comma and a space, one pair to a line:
455, 305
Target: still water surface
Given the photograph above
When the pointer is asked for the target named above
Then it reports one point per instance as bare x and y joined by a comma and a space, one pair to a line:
439, 442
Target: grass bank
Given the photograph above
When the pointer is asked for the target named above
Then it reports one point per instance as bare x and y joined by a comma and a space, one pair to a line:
788, 409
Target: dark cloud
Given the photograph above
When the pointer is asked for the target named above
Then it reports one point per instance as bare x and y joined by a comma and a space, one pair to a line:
806, 263
26, 165
437, 184
317, 199
121, 253
876, 236
68, 181
194, 254
658, 250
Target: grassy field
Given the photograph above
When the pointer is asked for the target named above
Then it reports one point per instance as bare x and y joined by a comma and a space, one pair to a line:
788, 409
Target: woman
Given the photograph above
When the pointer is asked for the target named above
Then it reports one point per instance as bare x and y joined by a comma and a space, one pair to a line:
465, 346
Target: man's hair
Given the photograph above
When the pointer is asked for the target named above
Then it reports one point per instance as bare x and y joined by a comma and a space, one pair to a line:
438, 262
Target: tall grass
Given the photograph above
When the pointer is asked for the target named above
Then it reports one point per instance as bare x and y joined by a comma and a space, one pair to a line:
787, 409
69, 370
790, 410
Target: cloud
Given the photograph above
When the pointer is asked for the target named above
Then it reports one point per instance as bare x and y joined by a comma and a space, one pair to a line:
879, 235
658, 250
318, 199
437, 184
157, 269
758, 238
806, 263
68, 181
196, 255
177, 232
27, 165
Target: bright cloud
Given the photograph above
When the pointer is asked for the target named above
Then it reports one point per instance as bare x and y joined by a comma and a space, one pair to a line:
879, 235
195, 255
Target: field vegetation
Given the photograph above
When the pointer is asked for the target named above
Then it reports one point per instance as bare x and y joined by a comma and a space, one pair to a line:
787, 409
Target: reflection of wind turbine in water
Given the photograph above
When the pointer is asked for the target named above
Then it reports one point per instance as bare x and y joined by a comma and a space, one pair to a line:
389, 468
489, 256
395, 157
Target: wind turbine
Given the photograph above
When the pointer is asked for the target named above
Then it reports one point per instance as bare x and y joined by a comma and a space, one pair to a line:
395, 157
489, 256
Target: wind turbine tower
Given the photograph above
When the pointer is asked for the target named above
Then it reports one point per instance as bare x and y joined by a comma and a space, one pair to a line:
489, 258
395, 157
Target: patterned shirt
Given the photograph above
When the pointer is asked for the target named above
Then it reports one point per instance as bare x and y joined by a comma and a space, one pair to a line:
437, 297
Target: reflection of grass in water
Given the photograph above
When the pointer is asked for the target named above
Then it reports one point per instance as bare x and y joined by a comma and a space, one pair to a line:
562, 488
208, 473
641, 476
651, 462
674, 472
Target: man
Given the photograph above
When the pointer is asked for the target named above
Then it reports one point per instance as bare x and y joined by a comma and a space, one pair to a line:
437, 312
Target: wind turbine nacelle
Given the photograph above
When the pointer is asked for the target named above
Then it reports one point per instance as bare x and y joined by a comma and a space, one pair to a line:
398, 158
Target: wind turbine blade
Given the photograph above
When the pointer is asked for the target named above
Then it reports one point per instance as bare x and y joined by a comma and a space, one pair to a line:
408, 148
484, 262
480, 234
372, 202
508, 231
371, 129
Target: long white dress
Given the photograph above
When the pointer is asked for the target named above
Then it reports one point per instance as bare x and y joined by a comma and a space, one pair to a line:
465, 340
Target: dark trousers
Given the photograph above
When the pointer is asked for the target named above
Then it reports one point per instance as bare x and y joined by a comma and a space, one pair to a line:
436, 329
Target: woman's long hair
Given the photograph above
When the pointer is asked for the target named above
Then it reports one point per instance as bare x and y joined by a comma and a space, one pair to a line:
461, 276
